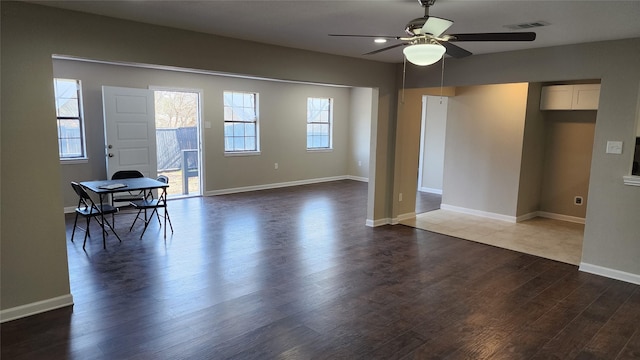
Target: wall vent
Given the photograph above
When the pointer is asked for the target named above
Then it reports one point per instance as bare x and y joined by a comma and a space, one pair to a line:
528, 25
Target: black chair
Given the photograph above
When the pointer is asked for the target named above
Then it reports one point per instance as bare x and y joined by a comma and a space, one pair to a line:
155, 204
89, 209
126, 196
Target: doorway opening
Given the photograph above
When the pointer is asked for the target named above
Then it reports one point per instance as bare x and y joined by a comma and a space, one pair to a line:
177, 118
431, 163
552, 162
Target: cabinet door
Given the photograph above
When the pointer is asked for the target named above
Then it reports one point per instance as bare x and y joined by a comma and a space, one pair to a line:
586, 97
557, 97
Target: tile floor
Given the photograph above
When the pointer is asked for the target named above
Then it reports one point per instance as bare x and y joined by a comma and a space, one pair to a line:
548, 238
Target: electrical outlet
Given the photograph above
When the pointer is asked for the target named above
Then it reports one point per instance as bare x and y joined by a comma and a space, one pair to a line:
359, 163
275, 166
400, 197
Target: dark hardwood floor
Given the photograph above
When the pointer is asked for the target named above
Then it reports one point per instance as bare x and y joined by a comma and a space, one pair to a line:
294, 273
426, 202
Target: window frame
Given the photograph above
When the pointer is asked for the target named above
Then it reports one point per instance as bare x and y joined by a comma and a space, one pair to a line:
256, 122
329, 147
80, 120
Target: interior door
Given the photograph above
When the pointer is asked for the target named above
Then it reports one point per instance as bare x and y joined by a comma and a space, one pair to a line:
130, 130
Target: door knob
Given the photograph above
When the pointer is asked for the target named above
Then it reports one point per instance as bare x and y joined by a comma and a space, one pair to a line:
110, 155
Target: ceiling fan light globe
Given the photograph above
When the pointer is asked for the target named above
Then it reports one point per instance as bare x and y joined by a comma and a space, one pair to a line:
424, 54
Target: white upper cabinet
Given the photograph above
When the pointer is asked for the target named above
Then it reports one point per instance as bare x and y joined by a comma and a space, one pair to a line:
570, 97
558, 97
586, 97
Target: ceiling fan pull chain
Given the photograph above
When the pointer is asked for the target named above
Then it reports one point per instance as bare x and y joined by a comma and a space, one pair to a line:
404, 72
442, 80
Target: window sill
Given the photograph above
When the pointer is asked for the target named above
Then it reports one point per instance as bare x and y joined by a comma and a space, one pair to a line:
74, 161
242, 153
319, 150
632, 180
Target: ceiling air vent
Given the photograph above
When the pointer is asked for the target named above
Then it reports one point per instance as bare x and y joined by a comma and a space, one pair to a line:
529, 25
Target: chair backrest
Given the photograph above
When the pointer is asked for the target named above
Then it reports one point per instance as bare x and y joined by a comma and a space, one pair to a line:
85, 199
79, 190
126, 174
163, 178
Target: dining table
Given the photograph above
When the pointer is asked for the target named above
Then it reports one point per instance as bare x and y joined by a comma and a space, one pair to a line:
104, 188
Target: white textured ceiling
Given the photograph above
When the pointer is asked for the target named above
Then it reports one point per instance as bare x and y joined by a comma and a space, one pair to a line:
305, 24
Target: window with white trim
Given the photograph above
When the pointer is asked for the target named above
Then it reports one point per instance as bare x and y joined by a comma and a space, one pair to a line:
319, 121
71, 138
240, 122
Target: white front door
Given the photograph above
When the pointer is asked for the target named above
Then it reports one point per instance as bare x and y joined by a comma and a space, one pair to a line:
130, 130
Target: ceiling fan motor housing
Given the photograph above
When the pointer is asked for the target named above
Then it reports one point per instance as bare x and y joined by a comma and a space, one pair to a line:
426, 3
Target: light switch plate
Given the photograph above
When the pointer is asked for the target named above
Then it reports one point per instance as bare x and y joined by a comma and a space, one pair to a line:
614, 147
207, 124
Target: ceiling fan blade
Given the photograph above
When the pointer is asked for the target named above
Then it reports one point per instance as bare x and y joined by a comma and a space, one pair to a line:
521, 36
455, 51
367, 36
435, 26
384, 49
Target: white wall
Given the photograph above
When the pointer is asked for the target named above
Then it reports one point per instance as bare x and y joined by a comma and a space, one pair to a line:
567, 161
282, 119
361, 113
531, 169
483, 148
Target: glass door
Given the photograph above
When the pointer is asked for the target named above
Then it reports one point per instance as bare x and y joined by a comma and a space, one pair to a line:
178, 140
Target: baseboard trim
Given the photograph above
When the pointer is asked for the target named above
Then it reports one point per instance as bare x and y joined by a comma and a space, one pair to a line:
402, 217
485, 214
430, 190
275, 185
528, 216
357, 178
573, 219
513, 219
35, 308
610, 273
379, 222
72, 209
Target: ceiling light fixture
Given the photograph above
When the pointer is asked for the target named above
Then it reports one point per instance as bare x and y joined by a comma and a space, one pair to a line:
424, 54
380, 41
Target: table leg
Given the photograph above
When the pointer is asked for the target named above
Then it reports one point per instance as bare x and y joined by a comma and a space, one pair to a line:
164, 198
104, 239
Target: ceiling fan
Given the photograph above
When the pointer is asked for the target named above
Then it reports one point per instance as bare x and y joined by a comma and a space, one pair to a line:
426, 42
